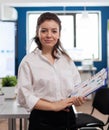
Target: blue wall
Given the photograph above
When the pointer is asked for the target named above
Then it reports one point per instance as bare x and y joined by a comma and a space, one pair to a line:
21, 44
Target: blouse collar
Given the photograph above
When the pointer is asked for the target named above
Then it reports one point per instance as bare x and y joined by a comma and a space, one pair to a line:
38, 51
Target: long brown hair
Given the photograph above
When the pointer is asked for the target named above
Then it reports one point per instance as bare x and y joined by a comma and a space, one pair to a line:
58, 46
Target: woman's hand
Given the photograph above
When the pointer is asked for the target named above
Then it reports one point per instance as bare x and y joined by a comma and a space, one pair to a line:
59, 105
64, 104
79, 101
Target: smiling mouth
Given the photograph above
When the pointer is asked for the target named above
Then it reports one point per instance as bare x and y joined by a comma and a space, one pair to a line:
48, 41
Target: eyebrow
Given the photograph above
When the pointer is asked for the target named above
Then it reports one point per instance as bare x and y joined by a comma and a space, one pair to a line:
51, 28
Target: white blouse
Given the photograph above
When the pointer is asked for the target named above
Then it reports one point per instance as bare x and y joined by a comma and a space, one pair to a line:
38, 78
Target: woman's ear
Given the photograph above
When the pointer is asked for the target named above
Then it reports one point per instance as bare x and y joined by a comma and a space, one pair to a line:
37, 32
59, 35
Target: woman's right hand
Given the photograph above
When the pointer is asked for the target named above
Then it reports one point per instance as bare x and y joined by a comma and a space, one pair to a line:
64, 104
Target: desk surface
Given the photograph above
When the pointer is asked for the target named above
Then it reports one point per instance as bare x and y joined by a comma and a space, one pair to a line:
85, 68
11, 109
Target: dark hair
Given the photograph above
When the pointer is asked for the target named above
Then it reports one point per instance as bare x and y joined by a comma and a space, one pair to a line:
42, 18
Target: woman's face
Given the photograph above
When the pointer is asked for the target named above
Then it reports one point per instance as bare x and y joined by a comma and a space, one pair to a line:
48, 33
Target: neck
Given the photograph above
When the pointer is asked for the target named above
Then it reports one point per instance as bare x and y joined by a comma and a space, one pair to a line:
46, 51
48, 54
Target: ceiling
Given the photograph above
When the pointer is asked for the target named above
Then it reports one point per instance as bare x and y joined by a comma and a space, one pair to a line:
20, 3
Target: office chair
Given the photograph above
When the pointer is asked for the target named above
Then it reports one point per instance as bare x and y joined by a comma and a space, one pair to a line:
100, 103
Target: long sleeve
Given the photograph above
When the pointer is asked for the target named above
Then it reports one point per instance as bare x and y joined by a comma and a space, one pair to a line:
25, 93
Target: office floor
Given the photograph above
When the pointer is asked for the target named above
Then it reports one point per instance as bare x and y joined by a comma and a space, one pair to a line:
84, 108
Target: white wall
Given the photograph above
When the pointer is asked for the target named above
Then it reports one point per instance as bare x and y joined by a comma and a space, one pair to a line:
56, 2
7, 12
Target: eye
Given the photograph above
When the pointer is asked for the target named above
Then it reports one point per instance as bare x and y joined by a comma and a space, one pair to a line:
43, 30
54, 31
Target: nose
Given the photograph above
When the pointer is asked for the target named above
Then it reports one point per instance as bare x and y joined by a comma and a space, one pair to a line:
49, 34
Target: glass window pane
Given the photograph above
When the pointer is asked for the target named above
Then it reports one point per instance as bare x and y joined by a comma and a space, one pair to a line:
87, 35
67, 32
7, 48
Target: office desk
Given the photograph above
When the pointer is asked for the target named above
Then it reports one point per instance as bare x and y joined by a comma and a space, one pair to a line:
11, 110
91, 70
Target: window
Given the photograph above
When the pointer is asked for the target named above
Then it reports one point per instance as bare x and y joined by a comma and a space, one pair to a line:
80, 36
87, 36
7, 48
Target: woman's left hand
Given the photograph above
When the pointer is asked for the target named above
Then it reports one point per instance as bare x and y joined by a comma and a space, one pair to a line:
79, 101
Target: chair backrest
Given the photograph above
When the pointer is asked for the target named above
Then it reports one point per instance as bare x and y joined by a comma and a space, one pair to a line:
101, 100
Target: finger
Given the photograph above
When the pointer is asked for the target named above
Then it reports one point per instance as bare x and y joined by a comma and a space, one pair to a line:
78, 101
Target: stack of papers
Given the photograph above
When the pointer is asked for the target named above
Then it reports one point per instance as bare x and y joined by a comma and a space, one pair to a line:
92, 84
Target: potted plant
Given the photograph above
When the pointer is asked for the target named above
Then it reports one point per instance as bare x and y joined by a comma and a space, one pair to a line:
8, 86
9, 81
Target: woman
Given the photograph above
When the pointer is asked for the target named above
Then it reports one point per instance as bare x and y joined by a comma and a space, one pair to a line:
46, 78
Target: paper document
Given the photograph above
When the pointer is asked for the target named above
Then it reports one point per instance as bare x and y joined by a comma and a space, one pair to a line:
92, 84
